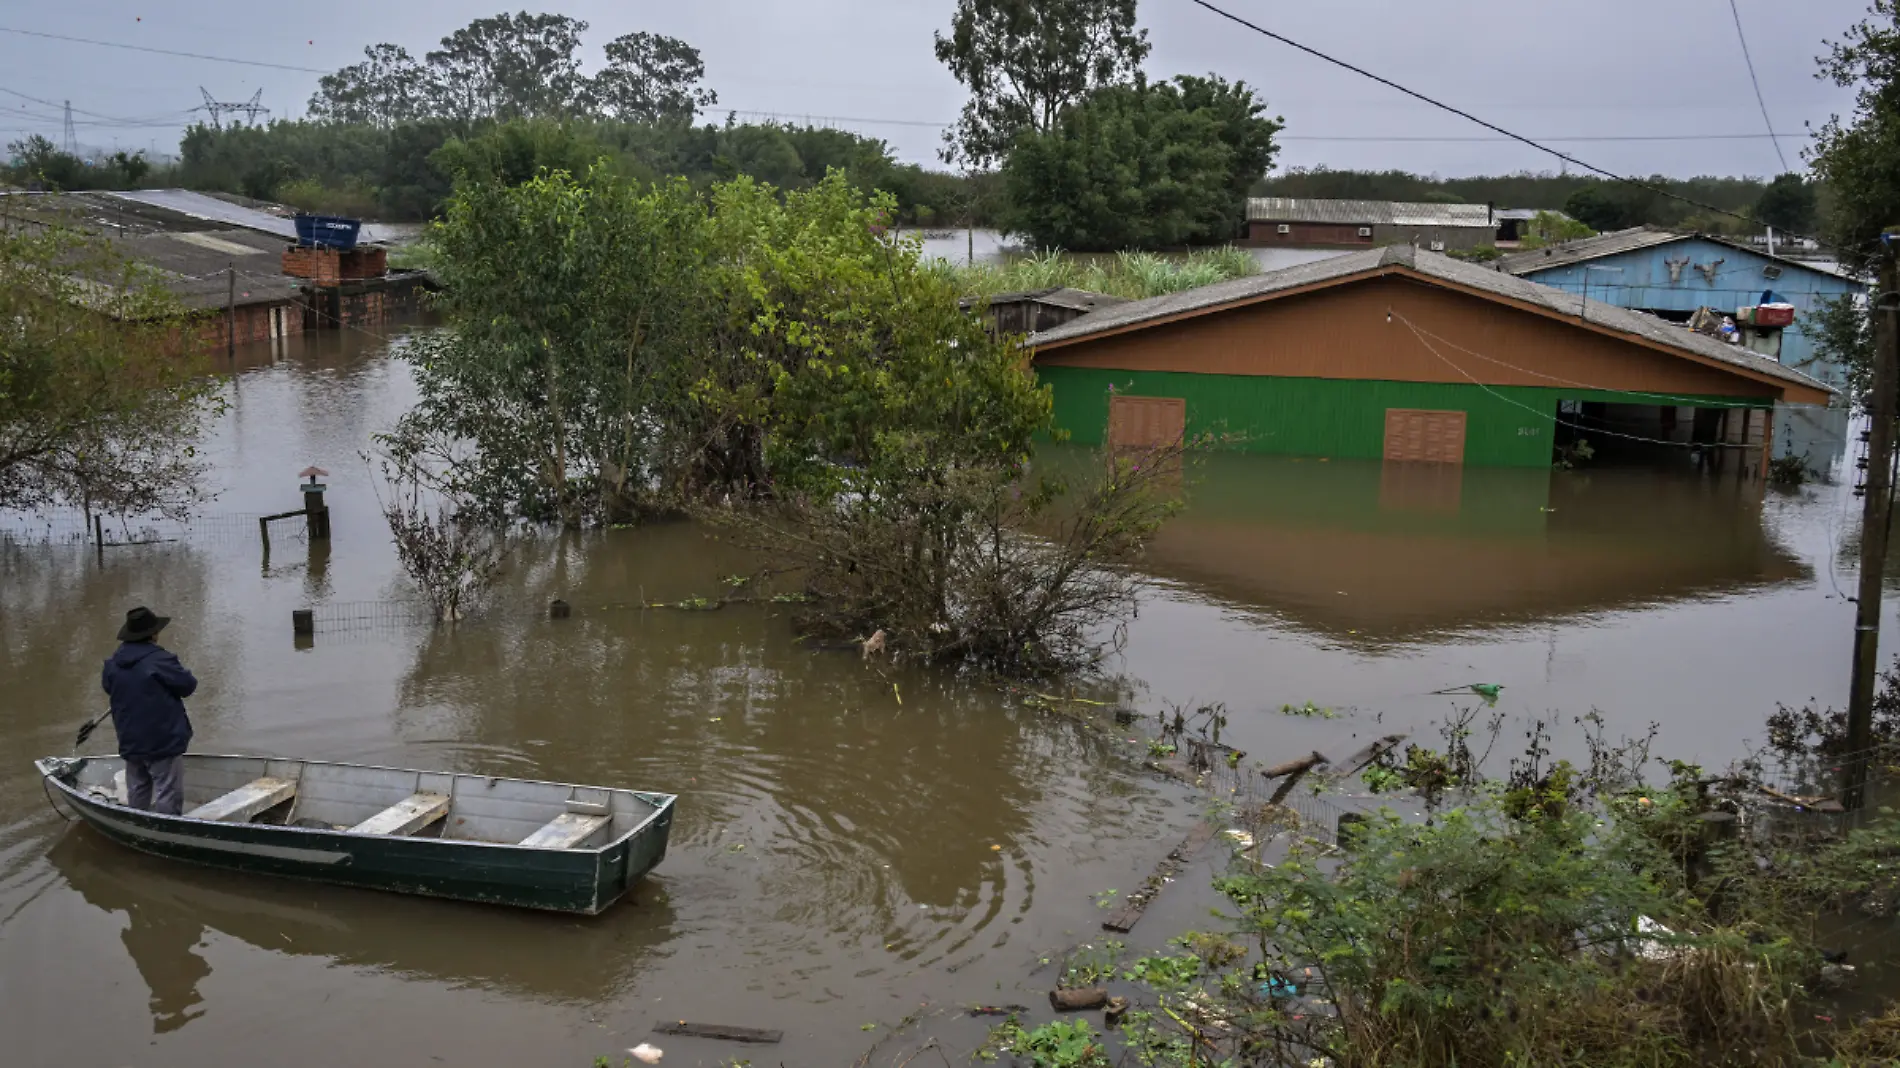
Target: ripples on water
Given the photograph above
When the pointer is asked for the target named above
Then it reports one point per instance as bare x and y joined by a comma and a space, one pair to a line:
833, 846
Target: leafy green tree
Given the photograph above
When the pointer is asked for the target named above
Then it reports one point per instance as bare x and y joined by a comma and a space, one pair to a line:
650, 78
508, 66
1789, 203
1024, 61
1550, 228
388, 87
1596, 207
573, 306
1858, 157
517, 151
1141, 166
99, 407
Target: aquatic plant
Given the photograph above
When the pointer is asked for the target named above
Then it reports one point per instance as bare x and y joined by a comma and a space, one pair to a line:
1129, 275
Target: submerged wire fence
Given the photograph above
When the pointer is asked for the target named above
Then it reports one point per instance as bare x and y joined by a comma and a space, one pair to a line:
72, 526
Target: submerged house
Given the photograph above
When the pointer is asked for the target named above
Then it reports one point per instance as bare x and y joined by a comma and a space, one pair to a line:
227, 264
1671, 275
1300, 222
1407, 355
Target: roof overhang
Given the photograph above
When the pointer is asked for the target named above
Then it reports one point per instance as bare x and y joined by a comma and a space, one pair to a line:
1794, 392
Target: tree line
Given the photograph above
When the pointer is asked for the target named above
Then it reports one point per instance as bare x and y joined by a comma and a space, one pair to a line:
1788, 202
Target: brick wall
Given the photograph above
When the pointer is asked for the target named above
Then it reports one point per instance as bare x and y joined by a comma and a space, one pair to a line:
254, 323
328, 266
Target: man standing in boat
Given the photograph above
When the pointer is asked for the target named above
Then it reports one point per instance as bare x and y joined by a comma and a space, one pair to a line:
147, 686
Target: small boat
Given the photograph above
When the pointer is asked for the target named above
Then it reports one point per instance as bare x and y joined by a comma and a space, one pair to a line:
519, 842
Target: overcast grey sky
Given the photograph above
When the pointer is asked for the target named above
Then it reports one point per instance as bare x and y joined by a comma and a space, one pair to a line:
1609, 68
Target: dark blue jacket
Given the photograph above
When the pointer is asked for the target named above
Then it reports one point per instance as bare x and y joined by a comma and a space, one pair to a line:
147, 686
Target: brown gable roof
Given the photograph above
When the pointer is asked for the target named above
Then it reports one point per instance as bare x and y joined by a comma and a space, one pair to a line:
1430, 267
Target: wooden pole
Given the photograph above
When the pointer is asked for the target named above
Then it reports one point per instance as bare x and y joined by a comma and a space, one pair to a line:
1873, 537
230, 313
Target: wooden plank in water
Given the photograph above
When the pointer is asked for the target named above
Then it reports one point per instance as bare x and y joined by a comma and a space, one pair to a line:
565, 831
1124, 920
719, 1031
407, 816
246, 801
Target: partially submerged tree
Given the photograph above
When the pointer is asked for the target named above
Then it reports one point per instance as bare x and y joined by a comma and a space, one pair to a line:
1024, 61
555, 394
101, 403
1141, 166
447, 550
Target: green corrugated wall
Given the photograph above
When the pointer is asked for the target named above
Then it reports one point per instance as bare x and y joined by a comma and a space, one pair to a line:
1506, 426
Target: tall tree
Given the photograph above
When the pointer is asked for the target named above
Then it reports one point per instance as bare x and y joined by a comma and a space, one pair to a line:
508, 66
1023, 61
650, 78
1141, 166
388, 87
1789, 203
1859, 156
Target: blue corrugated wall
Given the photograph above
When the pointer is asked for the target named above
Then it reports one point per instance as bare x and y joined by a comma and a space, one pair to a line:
1643, 281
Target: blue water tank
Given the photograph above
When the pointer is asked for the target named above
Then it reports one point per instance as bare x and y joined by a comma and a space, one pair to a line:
328, 231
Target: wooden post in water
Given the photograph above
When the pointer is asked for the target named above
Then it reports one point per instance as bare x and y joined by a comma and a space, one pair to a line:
316, 513
1873, 534
230, 314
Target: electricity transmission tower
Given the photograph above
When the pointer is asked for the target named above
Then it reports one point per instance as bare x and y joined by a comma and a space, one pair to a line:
217, 109
68, 136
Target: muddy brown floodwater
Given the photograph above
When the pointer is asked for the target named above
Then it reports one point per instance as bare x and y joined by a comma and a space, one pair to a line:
854, 841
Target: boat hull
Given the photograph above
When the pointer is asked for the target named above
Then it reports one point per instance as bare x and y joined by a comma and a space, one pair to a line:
583, 881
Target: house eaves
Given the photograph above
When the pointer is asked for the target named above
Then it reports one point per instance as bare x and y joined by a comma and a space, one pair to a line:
1433, 269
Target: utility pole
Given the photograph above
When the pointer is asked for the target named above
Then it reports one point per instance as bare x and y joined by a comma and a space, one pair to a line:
1873, 534
230, 314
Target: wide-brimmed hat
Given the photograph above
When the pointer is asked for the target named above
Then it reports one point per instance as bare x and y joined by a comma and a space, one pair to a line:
142, 625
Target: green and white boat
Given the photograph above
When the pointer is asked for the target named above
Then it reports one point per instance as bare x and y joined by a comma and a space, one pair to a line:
504, 841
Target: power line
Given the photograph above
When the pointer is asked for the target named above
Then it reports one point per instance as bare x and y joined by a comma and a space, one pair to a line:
1767, 122
163, 51
1553, 417
95, 114
1463, 114
1493, 140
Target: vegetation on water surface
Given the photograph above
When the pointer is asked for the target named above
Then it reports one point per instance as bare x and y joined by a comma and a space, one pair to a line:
1561, 915
1129, 275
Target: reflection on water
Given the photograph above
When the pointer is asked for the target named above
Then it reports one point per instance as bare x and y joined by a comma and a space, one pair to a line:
1404, 551
853, 838
171, 907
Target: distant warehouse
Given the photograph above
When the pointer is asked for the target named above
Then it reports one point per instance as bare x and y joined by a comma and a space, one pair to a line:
1298, 222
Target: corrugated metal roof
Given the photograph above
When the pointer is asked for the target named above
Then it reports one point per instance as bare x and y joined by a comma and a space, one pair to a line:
192, 266
225, 213
1630, 240
1367, 212
1374, 262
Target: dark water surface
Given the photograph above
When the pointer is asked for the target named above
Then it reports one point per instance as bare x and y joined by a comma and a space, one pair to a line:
853, 840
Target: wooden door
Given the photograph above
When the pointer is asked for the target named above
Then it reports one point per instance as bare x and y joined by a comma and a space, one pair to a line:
1422, 436
1146, 422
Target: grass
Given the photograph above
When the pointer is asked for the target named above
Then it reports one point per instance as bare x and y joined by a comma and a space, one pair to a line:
1131, 275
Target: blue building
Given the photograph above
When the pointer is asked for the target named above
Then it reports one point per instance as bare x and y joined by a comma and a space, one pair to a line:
1672, 275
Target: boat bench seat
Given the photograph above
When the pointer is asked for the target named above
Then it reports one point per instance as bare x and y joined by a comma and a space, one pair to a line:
246, 801
565, 831
407, 816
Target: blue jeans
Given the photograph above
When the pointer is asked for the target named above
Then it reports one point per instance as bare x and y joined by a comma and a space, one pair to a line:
156, 785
